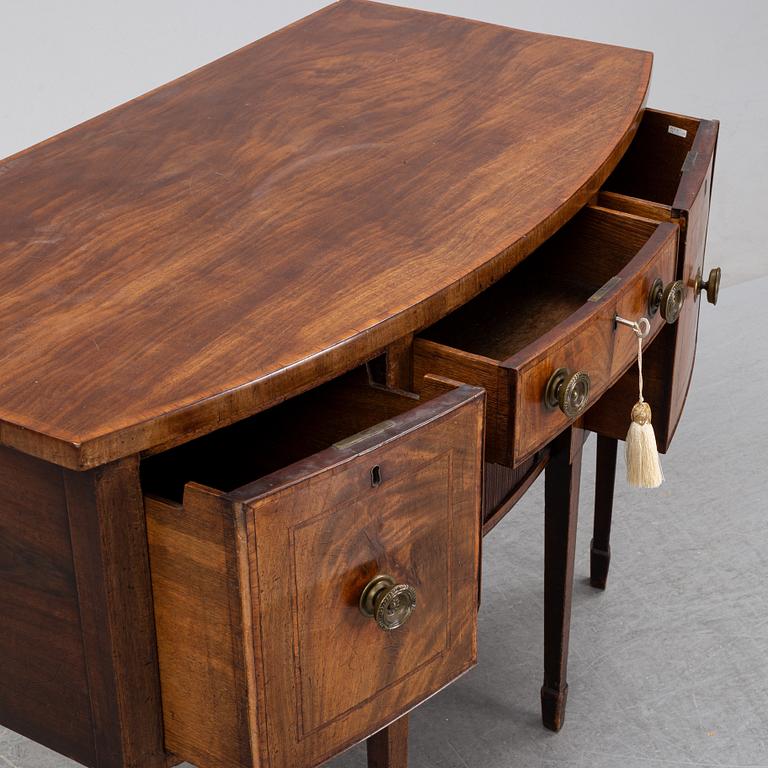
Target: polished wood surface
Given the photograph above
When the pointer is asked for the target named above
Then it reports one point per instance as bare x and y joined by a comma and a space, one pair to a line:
284, 213
555, 310
561, 507
389, 747
78, 664
109, 544
679, 192
43, 682
265, 658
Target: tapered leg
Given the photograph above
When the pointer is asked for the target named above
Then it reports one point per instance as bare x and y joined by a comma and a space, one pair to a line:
600, 549
389, 747
561, 503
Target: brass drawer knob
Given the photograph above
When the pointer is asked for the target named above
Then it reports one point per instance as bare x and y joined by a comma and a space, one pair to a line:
668, 300
712, 286
568, 391
389, 604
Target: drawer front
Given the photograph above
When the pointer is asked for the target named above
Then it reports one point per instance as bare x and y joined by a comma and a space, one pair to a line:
310, 673
588, 348
633, 303
565, 318
684, 149
596, 346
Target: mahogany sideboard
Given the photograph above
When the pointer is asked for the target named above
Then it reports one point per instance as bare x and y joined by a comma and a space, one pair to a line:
284, 338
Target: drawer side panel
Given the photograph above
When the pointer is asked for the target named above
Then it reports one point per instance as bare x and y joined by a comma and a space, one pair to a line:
195, 581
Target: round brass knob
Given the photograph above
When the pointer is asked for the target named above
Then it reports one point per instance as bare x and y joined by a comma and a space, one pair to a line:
568, 392
388, 603
712, 286
668, 300
672, 301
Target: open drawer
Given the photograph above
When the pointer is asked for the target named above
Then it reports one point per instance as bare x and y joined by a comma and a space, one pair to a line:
543, 341
666, 175
268, 542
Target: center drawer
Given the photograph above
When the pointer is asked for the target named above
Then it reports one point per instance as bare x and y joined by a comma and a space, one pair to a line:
269, 544
543, 341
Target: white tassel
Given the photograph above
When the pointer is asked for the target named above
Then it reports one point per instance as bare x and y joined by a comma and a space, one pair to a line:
643, 465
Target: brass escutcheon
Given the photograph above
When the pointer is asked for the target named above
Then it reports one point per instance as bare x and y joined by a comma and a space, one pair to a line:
568, 392
388, 603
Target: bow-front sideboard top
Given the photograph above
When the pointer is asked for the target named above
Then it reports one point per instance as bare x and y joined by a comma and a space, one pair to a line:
271, 219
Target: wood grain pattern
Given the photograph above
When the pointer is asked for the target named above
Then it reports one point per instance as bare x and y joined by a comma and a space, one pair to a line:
389, 747
283, 214
692, 207
265, 658
651, 169
684, 186
430, 357
108, 534
43, 682
504, 487
196, 584
77, 649
552, 312
633, 205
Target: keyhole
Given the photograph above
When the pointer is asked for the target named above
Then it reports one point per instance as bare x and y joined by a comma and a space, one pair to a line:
376, 476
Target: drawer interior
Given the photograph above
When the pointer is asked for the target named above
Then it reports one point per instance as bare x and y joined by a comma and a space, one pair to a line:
553, 283
250, 449
653, 165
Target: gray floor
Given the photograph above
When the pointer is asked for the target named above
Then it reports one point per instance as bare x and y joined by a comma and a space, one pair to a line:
668, 667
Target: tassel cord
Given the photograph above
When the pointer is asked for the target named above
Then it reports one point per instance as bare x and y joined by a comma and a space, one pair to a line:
642, 457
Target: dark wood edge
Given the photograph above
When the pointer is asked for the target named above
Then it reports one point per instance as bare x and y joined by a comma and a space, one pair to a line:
701, 155
197, 418
108, 534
